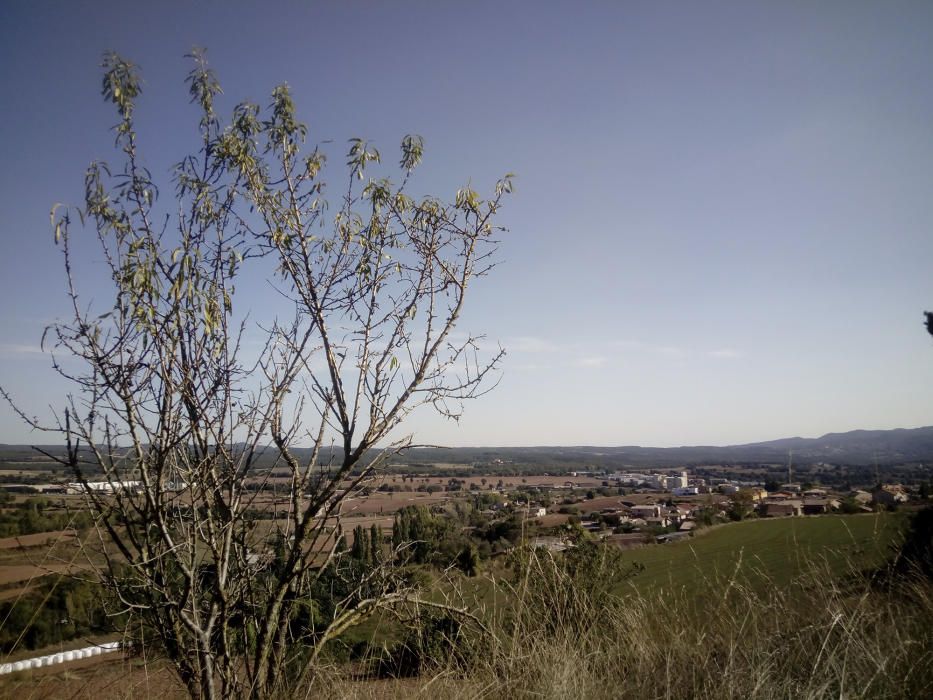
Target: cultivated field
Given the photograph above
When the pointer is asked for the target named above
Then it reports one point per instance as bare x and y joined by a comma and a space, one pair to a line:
772, 550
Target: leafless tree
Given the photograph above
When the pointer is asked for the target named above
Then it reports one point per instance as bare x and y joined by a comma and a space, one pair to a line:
176, 413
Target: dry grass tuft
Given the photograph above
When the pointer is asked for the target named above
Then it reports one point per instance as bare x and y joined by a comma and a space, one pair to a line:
569, 636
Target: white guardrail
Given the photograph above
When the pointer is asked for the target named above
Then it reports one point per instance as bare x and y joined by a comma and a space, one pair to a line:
59, 658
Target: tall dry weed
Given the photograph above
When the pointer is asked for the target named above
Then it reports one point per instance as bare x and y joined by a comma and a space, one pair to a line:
569, 633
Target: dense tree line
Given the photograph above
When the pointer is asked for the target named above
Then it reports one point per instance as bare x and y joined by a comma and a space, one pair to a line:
36, 515
55, 611
462, 538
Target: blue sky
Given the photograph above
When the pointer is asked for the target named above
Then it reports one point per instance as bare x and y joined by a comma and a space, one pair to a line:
722, 226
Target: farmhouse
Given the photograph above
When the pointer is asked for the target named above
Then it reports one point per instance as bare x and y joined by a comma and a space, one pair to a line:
818, 506
889, 495
775, 509
757, 493
646, 511
661, 521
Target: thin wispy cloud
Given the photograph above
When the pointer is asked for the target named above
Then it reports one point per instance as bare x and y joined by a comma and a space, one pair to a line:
531, 344
594, 353
626, 344
17, 349
528, 367
725, 354
671, 351
595, 361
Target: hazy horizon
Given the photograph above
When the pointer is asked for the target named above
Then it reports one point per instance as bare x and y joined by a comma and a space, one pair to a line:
672, 445
721, 231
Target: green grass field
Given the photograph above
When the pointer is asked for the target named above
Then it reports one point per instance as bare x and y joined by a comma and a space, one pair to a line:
768, 552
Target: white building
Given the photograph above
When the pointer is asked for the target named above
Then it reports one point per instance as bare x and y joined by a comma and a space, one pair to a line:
686, 491
106, 486
647, 511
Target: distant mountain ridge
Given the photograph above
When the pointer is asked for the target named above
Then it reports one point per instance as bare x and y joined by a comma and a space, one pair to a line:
856, 447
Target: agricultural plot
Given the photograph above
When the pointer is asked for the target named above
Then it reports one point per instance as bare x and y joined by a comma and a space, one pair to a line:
767, 552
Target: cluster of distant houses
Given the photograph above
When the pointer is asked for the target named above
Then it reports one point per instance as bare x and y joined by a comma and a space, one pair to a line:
791, 500
640, 519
